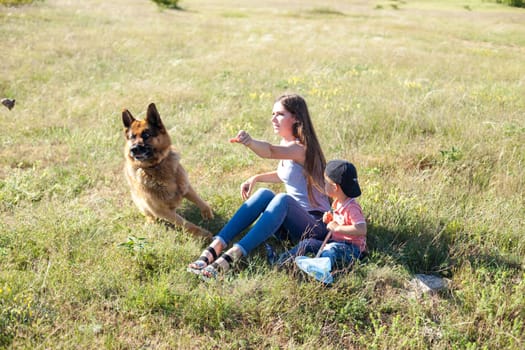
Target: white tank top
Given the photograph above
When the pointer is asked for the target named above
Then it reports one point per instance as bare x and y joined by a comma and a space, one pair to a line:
292, 175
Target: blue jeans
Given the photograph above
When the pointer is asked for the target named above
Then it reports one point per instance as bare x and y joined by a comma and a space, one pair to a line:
269, 213
341, 254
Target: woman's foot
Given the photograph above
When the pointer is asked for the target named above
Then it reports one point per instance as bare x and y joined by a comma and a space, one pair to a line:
223, 263
206, 258
209, 272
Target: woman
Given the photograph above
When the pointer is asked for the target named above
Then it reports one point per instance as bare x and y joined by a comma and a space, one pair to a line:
298, 212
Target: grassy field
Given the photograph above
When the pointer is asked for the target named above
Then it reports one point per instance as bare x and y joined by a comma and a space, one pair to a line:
427, 98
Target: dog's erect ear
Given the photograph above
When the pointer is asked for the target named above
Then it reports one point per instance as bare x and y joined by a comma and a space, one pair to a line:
153, 117
127, 118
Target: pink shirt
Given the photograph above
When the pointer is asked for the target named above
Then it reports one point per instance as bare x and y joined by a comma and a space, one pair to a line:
348, 213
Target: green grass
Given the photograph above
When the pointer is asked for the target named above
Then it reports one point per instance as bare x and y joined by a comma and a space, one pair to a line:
16, 2
425, 97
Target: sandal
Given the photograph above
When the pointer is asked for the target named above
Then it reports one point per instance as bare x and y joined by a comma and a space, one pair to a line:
203, 261
212, 271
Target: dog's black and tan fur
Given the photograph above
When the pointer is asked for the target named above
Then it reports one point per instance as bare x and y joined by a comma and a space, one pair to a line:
157, 180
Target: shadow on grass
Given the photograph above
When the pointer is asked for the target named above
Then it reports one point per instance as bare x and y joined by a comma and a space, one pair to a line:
430, 253
192, 213
419, 249
493, 260
420, 252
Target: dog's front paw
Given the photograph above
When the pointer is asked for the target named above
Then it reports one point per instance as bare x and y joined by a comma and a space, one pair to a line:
206, 213
150, 219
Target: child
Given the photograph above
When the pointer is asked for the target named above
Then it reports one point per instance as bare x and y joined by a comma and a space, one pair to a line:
346, 223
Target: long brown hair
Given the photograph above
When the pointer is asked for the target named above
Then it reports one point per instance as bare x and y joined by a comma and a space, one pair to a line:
303, 130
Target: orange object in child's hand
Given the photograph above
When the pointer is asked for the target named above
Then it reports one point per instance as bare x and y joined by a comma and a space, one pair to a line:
234, 140
328, 217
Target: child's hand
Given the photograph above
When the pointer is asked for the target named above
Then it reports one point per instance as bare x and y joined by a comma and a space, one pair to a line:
327, 217
333, 226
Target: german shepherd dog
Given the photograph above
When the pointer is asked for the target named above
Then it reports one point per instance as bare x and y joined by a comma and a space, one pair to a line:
157, 180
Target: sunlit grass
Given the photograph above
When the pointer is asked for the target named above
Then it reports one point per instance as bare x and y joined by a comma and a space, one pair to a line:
425, 97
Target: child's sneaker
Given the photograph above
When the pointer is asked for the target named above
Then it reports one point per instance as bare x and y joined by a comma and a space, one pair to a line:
318, 268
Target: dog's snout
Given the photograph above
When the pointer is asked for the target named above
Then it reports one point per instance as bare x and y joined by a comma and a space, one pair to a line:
137, 149
140, 152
